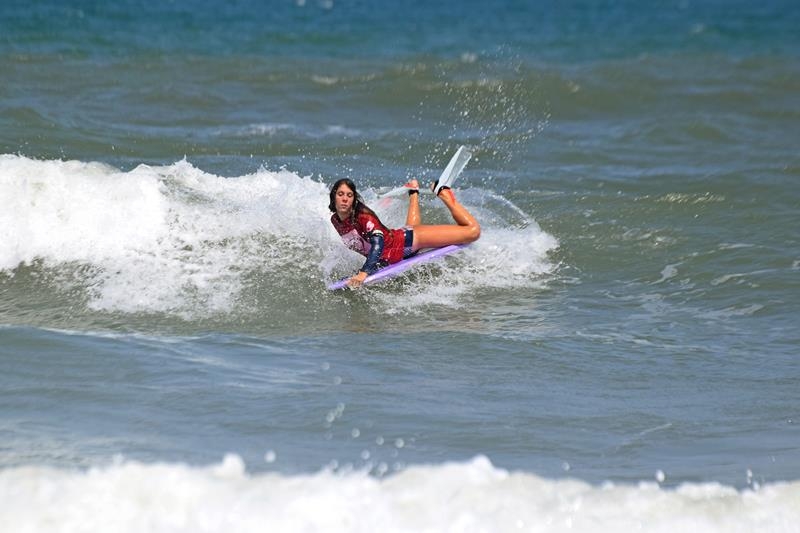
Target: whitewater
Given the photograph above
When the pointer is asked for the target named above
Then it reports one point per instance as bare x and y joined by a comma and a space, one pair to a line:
455, 497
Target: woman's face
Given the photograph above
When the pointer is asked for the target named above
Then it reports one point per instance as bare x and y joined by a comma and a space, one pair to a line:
345, 197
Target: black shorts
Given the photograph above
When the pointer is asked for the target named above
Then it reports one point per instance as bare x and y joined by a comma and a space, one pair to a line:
408, 246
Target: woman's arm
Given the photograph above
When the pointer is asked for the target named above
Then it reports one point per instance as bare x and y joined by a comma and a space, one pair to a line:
373, 258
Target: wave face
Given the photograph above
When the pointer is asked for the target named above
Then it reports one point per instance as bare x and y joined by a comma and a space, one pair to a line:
177, 242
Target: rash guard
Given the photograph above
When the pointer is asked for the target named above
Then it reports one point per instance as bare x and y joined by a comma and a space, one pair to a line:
367, 235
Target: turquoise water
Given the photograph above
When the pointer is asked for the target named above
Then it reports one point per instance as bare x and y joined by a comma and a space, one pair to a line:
618, 350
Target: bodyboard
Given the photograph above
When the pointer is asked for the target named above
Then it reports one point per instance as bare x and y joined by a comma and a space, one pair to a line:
393, 270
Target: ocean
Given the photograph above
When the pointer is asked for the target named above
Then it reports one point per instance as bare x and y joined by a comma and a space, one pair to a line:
619, 351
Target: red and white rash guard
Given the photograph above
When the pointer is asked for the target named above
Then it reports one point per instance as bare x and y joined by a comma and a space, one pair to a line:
357, 233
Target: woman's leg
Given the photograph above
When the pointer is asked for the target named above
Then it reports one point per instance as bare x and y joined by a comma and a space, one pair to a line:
465, 230
413, 217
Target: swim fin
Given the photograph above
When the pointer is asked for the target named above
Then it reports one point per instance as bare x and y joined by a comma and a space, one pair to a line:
453, 169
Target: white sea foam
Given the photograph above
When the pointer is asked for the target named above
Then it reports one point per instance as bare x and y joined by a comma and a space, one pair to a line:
668, 272
155, 237
176, 239
458, 497
274, 129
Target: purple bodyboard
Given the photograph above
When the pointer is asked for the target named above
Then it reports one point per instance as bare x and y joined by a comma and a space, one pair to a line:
396, 268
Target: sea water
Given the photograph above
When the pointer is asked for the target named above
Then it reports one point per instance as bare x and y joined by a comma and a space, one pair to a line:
619, 350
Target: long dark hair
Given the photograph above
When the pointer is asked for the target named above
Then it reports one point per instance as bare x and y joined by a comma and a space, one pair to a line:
358, 204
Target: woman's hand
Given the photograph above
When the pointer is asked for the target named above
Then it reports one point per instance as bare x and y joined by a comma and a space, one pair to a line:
356, 281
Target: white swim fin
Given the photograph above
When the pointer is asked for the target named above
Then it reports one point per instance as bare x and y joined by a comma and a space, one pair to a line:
453, 169
448, 177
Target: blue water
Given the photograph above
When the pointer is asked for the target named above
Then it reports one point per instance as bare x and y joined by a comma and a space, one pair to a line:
618, 350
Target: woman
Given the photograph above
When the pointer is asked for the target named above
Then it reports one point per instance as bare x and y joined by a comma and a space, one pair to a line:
362, 231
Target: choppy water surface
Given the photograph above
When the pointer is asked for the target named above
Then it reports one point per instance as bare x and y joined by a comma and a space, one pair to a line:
618, 350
